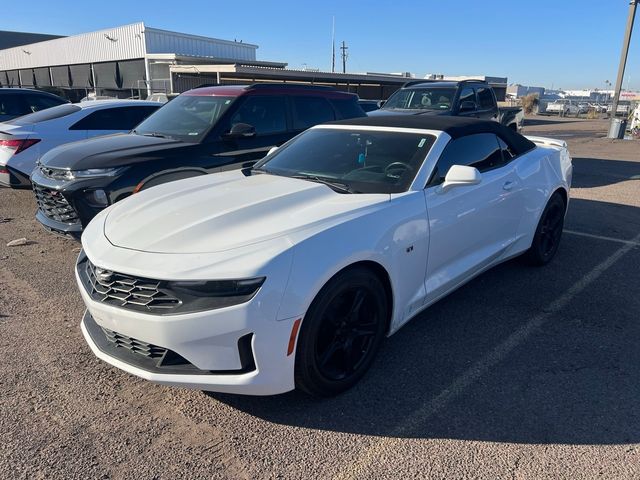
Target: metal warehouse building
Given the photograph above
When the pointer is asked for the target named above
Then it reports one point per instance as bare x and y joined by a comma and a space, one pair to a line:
121, 61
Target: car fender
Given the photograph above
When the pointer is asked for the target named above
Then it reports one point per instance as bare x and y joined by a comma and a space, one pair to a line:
394, 237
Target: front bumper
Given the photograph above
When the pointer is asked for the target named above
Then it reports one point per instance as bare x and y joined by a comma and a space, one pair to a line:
210, 343
59, 210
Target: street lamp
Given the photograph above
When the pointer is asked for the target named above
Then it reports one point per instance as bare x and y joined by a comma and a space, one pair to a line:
623, 61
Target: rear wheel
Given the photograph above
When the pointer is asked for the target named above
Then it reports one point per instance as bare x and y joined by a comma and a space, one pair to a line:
341, 333
548, 233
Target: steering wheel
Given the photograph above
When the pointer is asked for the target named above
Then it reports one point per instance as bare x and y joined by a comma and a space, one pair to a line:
398, 167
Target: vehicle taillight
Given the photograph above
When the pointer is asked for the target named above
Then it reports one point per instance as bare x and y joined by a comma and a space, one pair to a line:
18, 145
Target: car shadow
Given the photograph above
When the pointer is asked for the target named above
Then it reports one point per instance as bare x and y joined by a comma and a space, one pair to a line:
599, 172
571, 381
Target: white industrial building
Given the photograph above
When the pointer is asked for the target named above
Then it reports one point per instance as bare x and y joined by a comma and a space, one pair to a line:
118, 61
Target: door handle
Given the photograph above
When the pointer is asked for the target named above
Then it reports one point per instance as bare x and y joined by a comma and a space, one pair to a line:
508, 185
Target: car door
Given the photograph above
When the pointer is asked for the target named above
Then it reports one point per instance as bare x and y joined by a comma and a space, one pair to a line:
268, 116
470, 226
487, 106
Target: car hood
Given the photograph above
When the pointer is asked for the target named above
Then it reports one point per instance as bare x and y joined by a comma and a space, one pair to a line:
219, 212
406, 111
108, 151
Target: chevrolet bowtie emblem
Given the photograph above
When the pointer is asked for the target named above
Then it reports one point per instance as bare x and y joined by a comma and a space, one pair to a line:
103, 275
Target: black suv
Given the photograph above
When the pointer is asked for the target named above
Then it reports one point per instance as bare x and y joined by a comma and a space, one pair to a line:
15, 102
201, 131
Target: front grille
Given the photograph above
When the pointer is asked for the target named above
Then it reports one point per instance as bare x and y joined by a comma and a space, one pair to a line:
127, 291
136, 346
54, 205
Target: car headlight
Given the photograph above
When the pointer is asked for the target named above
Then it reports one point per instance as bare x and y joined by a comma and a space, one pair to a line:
96, 172
212, 294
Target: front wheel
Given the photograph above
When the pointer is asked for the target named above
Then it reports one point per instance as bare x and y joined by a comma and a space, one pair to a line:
341, 333
548, 233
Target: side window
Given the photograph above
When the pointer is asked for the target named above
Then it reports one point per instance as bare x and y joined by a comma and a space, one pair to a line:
467, 95
310, 111
40, 102
485, 98
135, 115
12, 105
106, 119
348, 108
481, 151
266, 114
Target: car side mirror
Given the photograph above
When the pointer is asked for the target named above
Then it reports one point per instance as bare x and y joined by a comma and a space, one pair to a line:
460, 175
241, 130
381, 103
468, 106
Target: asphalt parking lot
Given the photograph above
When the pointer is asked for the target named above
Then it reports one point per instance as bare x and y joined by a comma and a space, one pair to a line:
522, 373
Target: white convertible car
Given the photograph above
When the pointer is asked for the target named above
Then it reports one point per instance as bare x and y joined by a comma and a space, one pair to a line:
289, 275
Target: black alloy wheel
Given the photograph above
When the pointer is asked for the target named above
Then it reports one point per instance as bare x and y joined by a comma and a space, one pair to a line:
548, 233
341, 333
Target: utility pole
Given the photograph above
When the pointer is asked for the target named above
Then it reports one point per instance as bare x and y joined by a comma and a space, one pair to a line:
623, 61
344, 49
333, 45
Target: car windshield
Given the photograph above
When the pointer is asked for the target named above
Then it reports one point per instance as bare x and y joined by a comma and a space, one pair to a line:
355, 160
187, 117
421, 99
52, 113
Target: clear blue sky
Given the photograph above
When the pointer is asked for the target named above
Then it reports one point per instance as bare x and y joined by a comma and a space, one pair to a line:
564, 43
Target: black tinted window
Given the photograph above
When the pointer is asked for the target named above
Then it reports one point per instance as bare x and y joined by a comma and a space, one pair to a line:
310, 111
12, 105
122, 118
266, 114
480, 151
467, 95
41, 102
349, 108
485, 98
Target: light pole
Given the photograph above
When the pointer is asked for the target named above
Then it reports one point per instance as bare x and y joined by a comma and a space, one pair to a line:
623, 61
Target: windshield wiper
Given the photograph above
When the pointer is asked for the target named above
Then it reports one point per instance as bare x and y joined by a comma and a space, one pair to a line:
333, 184
155, 134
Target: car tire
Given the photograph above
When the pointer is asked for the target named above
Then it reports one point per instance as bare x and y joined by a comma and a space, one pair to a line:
548, 232
341, 333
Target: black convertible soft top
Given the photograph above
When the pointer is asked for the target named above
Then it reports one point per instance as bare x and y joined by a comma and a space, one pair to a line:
454, 126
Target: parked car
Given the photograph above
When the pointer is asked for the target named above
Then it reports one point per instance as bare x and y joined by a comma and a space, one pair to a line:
24, 139
201, 131
290, 274
369, 105
562, 107
622, 109
15, 102
467, 98
598, 108
583, 107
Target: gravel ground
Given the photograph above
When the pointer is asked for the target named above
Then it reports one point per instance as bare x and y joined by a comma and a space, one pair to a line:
522, 373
